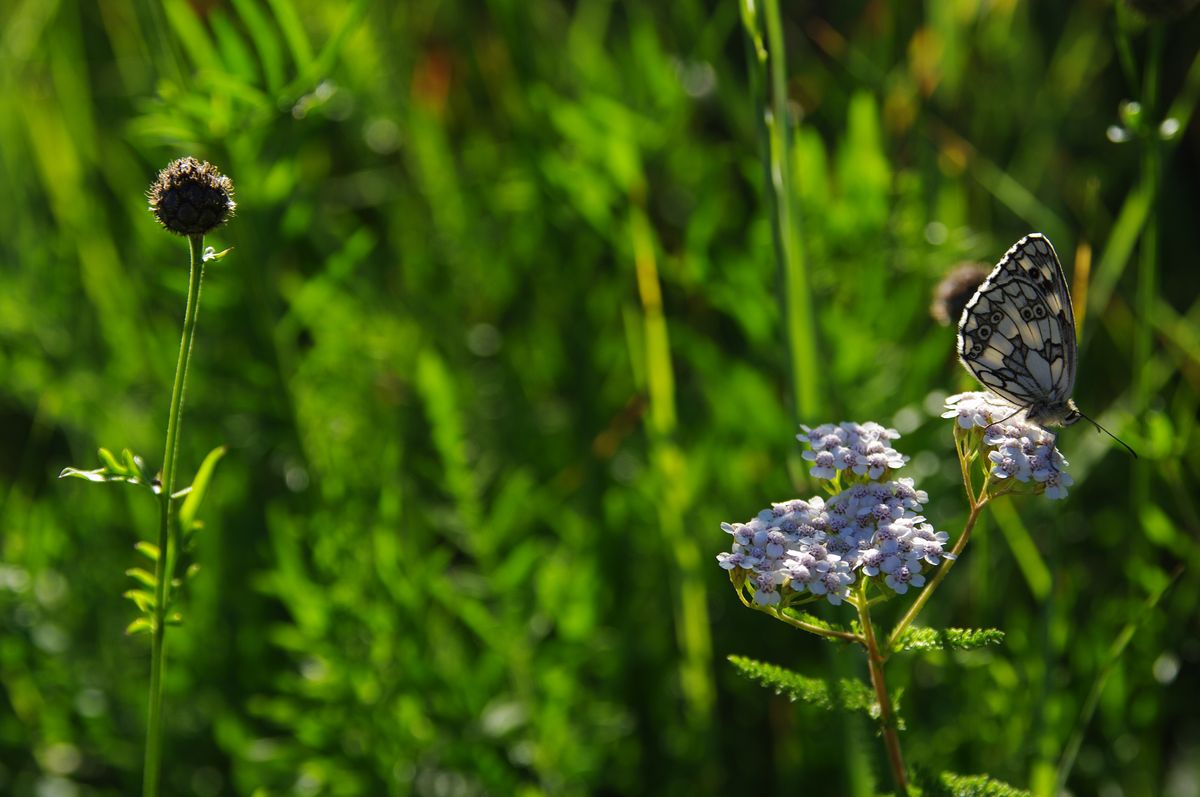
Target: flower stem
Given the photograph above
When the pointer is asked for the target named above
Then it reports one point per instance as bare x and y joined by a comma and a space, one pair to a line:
164, 569
832, 633
923, 598
887, 720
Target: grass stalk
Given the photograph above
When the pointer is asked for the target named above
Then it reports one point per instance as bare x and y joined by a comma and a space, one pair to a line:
168, 542
796, 293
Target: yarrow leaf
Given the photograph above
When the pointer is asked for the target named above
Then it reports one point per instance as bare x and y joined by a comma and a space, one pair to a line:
948, 784
916, 639
845, 694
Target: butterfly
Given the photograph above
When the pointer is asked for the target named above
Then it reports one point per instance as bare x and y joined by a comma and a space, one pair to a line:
1017, 334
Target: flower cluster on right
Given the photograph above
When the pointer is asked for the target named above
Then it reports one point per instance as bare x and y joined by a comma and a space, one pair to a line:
1016, 448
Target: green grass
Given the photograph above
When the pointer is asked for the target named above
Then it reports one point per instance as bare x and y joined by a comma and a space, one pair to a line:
500, 344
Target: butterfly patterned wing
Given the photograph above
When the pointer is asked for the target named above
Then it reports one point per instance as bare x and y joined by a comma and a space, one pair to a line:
1017, 334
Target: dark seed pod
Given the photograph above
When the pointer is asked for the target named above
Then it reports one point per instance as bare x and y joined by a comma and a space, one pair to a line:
191, 197
955, 290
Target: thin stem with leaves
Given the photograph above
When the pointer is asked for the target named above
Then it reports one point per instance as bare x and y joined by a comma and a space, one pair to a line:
168, 538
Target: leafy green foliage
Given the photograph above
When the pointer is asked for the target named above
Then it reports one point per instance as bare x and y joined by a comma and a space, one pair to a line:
948, 784
127, 469
844, 694
918, 639
190, 506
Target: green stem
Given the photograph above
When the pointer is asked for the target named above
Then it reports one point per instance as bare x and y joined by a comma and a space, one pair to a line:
1147, 279
923, 598
887, 721
164, 570
845, 636
785, 224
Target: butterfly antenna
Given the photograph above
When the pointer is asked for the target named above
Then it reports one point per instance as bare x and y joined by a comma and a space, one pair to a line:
1006, 419
1100, 428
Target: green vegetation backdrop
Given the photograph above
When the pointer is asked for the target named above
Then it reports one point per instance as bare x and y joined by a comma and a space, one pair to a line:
500, 345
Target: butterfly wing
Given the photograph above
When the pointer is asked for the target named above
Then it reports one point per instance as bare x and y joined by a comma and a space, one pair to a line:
1017, 334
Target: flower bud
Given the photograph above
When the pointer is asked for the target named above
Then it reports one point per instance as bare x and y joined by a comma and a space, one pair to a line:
955, 290
191, 197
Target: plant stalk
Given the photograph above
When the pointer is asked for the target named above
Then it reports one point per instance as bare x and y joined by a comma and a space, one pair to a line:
164, 568
1147, 277
887, 720
795, 294
923, 598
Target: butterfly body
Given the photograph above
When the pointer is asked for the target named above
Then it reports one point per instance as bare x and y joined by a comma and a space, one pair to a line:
1017, 333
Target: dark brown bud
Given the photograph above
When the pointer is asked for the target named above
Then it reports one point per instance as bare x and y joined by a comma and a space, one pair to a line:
955, 290
191, 197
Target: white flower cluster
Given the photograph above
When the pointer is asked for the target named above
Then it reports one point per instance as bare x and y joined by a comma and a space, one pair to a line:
863, 448
819, 546
1019, 449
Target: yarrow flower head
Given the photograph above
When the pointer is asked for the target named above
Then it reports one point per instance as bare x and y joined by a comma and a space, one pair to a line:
863, 449
819, 547
191, 197
1015, 448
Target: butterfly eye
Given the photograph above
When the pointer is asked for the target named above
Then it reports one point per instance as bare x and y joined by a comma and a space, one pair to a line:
996, 317
984, 332
1027, 313
1039, 311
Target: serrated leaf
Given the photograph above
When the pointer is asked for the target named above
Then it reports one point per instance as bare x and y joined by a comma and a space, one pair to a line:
948, 784
143, 599
142, 625
917, 639
146, 578
148, 549
191, 504
845, 694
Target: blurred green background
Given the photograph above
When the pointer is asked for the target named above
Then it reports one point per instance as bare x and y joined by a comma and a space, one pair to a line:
501, 344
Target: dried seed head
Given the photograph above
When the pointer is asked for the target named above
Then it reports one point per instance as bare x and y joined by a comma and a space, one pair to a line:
191, 197
955, 290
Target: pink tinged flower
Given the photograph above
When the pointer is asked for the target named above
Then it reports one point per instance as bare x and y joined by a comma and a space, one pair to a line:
730, 561
776, 544
901, 578
765, 593
1057, 484
824, 464
870, 561
799, 574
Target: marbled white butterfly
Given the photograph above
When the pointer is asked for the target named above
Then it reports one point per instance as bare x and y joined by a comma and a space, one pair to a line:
1017, 334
